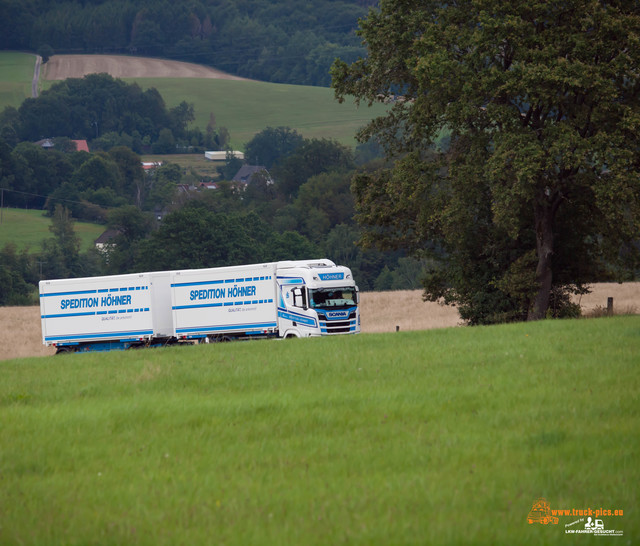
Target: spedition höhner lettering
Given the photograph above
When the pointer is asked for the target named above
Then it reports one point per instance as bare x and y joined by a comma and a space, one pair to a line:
218, 293
87, 303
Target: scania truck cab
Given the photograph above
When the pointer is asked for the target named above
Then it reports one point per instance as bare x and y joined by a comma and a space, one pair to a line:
316, 298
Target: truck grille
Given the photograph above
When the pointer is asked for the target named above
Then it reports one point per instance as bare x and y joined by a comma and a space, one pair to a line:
339, 326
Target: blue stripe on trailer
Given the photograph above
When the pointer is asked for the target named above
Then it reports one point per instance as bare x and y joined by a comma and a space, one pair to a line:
112, 335
89, 314
50, 294
228, 327
178, 307
200, 283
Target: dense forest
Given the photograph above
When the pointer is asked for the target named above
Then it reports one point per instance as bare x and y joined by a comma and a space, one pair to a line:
291, 41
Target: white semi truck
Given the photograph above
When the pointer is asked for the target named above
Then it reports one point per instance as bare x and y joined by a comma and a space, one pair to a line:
279, 299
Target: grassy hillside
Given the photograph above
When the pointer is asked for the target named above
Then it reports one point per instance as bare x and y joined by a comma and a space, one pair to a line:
446, 436
27, 228
16, 74
246, 108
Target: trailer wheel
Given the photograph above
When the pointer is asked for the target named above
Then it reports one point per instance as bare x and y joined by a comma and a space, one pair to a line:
63, 350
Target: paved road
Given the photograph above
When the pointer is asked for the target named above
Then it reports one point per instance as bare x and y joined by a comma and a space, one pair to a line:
36, 77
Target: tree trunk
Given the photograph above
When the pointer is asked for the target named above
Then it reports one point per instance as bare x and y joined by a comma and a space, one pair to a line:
544, 216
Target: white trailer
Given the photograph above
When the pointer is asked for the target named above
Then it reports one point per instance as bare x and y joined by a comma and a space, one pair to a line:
279, 299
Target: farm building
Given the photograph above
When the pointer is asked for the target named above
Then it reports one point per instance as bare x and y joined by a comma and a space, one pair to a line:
222, 155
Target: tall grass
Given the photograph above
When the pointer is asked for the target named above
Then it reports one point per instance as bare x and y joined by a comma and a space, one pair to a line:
444, 436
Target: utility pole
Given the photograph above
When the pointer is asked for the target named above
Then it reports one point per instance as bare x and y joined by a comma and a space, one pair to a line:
40, 263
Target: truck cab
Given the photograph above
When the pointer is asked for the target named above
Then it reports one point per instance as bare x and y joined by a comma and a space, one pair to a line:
316, 298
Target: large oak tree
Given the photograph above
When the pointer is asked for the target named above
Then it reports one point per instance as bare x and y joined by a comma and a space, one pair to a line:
514, 128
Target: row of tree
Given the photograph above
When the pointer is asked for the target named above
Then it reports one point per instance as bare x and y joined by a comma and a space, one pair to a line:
87, 184
290, 41
108, 112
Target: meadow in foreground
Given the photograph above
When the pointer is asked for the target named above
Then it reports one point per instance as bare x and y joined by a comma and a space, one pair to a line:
444, 436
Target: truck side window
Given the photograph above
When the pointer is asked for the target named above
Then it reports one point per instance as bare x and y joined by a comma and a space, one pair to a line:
299, 297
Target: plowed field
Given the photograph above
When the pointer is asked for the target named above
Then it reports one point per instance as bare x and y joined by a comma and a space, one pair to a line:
61, 67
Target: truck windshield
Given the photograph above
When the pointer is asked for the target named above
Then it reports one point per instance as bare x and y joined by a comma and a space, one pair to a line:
332, 297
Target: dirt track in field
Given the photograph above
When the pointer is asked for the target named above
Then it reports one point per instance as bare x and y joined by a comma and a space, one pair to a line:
20, 334
61, 67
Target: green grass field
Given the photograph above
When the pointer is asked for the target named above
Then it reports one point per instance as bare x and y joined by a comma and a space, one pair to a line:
16, 74
189, 162
246, 107
443, 436
27, 228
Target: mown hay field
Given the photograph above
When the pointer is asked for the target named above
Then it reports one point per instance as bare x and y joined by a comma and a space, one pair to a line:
402, 310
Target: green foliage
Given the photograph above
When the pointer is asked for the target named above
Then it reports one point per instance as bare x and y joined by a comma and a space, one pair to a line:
272, 145
33, 173
46, 52
131, 173
196, 236
374, 434
324, 201
163, 186
166, 143
231, 166
17, 277
541, 167
131, 226
84, 108
61, 254
311, 158
291, 41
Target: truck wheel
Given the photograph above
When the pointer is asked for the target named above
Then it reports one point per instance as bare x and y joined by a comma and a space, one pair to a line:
63, 350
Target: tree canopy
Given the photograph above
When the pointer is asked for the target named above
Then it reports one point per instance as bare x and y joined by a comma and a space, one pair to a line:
515, 132
290, 41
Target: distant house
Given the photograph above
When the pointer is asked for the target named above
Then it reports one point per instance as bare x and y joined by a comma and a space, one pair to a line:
46, 143
185, 188
81, 145
106, 239
208, 185
247, 172
151, 165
